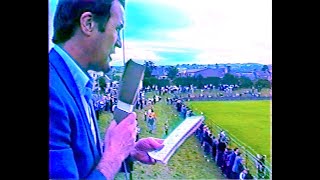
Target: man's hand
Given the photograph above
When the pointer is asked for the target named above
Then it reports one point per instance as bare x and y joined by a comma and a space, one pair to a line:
145, 145
119, 141
120, 138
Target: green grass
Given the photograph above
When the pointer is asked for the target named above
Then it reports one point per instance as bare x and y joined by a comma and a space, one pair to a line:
248, 121
188, 161
103, 123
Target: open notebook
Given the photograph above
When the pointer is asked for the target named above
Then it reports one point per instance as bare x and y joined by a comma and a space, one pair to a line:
176, 138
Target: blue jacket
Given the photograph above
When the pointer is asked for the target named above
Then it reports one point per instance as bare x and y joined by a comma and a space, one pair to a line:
72, 151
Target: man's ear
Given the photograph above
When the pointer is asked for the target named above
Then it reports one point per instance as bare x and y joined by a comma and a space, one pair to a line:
87, 23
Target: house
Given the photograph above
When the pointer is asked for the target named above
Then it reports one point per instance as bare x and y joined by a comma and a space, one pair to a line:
205, 72
262, 75
160, 72
249, 75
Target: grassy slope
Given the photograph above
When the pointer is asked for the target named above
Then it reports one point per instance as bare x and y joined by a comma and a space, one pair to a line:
249, 121
188, 161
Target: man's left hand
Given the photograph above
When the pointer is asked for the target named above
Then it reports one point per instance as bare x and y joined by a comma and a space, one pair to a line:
143, 146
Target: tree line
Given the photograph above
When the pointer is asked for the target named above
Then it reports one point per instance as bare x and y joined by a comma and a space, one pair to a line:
199, 81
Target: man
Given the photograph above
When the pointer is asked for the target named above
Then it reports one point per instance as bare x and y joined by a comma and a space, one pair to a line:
85, 34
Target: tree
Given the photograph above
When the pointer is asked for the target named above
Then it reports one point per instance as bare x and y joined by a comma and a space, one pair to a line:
163, 82
245, 82
199, 81
116, 78
149, 81
149, 67
172, 72
262, 83
184, 81
265, 68
102, 83
229, 79
215, 81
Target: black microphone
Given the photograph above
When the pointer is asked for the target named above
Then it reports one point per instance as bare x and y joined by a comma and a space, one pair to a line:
129, 87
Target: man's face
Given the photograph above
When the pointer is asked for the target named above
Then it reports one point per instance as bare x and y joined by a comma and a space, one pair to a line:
105, 42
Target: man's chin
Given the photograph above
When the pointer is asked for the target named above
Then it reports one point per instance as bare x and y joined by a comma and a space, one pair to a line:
105, 68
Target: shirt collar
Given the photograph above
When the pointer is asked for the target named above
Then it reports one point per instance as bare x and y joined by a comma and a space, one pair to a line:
82, 79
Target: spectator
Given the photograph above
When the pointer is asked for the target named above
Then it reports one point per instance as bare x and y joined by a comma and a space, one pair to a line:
237, 167
243, 174
152, 121
231, 161
166, 128
260, 165
138, 129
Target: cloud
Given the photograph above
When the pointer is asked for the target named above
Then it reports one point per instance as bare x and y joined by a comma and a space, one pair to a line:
209, 57
147, 50
135, 53
221, 31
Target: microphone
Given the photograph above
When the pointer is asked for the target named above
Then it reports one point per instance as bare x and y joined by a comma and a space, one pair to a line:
129, 87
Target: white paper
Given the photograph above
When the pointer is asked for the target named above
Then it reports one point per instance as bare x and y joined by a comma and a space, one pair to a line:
176, 138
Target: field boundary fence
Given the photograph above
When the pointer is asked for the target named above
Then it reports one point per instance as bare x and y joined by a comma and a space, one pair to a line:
249, 153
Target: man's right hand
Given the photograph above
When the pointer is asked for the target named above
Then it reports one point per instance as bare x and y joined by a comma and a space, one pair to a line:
120, 138
119, 141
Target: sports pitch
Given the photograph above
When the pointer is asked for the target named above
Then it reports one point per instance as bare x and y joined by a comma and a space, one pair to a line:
248, 121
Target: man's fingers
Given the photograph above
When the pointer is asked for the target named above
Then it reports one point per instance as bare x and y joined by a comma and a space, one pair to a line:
143, 157
149, 144
157, 144
130, 119
160, 141
127, 128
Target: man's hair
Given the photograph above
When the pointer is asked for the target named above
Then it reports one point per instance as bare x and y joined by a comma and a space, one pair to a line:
68, 12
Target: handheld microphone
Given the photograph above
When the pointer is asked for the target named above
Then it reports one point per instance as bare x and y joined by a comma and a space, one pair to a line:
128, 89
127, 97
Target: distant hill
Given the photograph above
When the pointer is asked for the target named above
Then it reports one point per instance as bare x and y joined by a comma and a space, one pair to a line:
236, 67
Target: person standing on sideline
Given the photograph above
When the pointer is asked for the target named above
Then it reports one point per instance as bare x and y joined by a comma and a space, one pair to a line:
86, 33
166, 128
152, 121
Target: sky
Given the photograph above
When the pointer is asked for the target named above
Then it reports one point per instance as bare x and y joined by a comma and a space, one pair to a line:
171, 32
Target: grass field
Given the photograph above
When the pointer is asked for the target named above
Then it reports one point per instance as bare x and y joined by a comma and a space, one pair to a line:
248, 121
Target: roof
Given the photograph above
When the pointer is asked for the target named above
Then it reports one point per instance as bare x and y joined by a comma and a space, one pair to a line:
159, 71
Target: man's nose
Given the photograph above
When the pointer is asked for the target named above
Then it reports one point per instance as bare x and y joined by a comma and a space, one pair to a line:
118, 42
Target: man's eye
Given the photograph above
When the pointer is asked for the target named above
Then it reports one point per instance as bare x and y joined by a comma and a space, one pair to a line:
119, 28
